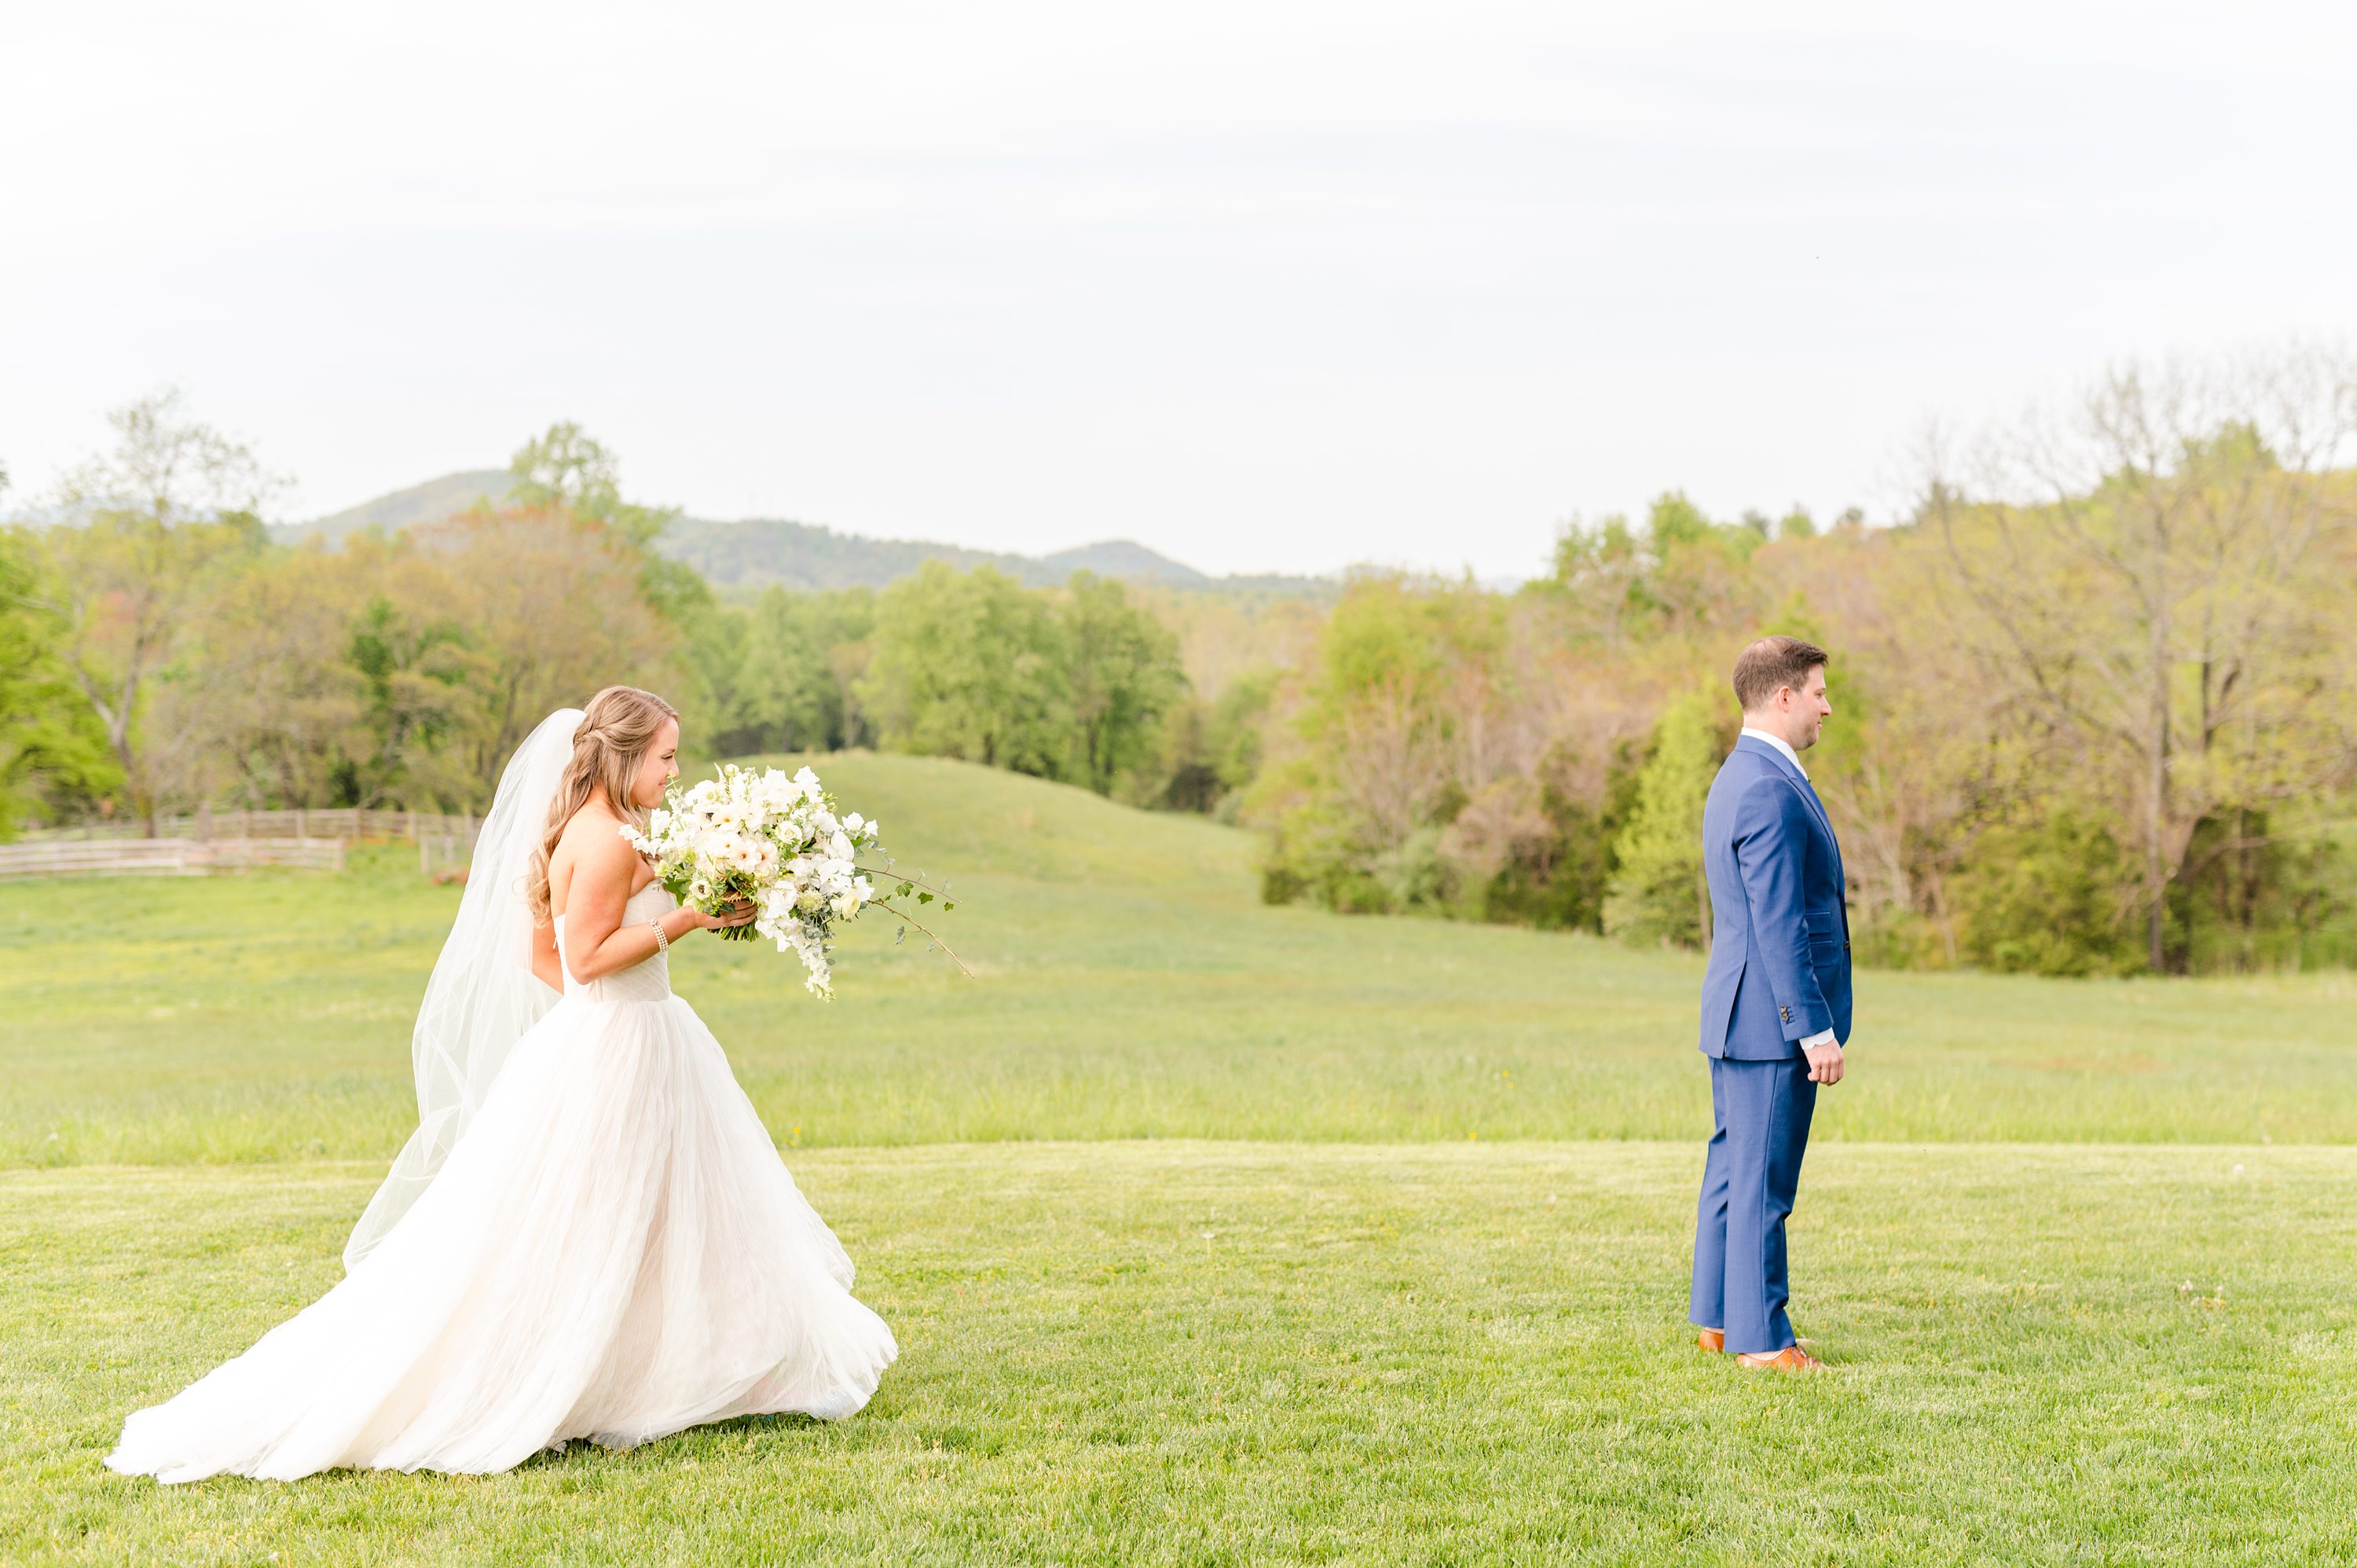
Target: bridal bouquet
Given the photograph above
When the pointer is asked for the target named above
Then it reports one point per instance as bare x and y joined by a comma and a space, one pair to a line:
779, 843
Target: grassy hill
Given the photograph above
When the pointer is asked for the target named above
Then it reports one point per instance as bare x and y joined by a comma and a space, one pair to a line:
1131, 986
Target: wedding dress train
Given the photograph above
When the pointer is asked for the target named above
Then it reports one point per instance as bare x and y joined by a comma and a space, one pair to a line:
613, 1251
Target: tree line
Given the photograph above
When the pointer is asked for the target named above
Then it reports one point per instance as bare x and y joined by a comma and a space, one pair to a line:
158, 650
2093, 689
2093, 701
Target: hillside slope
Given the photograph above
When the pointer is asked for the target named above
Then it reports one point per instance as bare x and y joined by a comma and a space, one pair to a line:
958, 818
430, 502
1129, 984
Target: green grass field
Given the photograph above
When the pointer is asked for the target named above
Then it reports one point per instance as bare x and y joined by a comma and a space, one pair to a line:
1217, 1233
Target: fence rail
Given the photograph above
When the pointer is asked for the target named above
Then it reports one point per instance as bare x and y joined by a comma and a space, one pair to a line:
166, 858
341, 822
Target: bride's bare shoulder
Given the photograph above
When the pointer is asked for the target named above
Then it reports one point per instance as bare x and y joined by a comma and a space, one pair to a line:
592, 837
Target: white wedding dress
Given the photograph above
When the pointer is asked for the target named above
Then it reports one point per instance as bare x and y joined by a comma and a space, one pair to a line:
613, 1251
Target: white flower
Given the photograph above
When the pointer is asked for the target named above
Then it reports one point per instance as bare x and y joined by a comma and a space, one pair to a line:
777, 838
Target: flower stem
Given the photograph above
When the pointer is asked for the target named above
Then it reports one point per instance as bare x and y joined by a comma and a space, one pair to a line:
902, 876
929, 931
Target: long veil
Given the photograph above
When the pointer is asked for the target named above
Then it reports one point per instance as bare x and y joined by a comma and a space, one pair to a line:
483, 995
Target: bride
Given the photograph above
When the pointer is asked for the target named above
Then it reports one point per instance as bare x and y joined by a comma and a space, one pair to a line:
590, 1235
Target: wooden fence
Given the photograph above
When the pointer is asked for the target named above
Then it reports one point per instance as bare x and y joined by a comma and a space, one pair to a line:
344, 822
165, 858
229, 841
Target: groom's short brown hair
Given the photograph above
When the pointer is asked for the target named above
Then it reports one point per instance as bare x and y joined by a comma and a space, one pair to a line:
1772, 664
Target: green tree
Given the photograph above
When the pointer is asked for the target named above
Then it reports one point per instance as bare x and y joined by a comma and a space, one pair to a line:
567, 469
1394, 725
2048, 900
790, 667
157, 525
1209, 751
1123, 675
1660, 893
413, 669
971, 665
50, 742
1683, 579
2164, 585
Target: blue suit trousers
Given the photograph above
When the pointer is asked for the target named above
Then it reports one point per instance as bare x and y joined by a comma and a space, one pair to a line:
1761, 1111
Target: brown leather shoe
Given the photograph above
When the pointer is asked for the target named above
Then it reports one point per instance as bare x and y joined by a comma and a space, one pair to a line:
1791, 1358
1713, 1340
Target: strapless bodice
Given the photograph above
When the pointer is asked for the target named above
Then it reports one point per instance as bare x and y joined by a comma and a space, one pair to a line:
647, 981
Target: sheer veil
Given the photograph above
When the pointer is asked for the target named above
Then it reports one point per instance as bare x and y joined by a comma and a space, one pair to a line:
483, 995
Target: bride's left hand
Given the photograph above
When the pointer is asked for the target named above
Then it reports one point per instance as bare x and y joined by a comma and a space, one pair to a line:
739, 913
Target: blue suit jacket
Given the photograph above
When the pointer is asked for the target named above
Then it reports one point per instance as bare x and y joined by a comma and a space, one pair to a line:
1780, 930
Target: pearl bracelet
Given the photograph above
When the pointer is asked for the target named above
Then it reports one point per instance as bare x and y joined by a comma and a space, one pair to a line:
663, 941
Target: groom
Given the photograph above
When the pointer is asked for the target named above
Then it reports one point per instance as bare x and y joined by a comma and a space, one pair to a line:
1775, 1000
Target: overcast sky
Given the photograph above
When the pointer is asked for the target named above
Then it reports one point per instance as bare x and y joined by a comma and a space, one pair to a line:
1264, 286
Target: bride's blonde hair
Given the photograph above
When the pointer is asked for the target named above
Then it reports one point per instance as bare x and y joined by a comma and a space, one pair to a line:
609, 744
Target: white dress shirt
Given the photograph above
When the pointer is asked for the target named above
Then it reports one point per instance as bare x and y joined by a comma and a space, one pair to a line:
1823, 1037
1780, 743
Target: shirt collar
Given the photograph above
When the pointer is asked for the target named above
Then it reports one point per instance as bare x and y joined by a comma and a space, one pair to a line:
1780, 744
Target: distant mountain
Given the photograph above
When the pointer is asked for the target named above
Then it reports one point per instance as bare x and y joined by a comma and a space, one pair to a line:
1121, 558
430, 502
801, 555
798, 555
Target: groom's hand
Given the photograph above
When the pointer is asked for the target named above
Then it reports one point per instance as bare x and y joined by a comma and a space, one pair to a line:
1824, 1062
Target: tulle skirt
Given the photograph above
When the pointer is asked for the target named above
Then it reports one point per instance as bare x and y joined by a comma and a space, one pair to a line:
613, 1252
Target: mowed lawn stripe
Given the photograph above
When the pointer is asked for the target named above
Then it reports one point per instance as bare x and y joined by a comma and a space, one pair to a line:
1208, 1352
